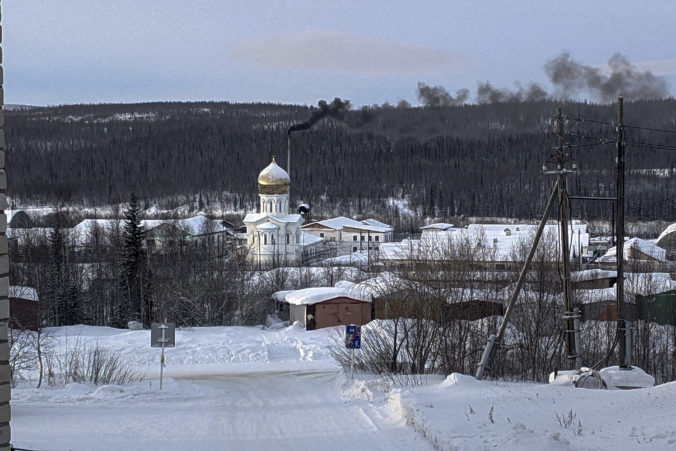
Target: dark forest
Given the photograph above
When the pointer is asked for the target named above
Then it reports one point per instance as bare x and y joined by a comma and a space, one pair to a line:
472, 160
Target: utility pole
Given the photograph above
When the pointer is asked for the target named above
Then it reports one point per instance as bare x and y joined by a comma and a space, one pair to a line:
622, 350
568, 317
495, 340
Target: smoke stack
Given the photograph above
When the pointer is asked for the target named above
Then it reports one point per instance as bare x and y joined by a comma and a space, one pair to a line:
335, 109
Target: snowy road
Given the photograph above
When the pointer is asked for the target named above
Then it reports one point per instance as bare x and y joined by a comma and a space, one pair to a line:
304, 410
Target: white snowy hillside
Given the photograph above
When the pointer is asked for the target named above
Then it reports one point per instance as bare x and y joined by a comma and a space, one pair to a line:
278, 388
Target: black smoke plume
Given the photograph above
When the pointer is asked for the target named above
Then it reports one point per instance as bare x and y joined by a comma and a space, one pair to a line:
569, 79
335, 109
434, 96
486, 93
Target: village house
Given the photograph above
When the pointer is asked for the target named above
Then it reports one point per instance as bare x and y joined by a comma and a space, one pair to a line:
350, 235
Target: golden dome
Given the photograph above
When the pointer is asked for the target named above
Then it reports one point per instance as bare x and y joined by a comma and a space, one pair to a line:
273, 180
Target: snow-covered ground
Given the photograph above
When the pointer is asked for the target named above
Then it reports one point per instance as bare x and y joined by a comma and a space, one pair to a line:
247, 388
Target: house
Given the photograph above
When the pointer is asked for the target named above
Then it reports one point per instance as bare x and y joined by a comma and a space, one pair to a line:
350, 235
23, 308
592, 279
492, 246
321, 307
636, 249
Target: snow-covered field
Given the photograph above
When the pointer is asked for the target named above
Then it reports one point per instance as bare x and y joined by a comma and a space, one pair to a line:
247, 388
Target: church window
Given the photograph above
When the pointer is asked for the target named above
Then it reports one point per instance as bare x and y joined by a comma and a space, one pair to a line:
265, 238
354, 237
279, 206
269, 206
321, 234
288, 238
377, 238
272, 237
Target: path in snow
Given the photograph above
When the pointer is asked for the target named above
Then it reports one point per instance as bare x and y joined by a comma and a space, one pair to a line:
318, 410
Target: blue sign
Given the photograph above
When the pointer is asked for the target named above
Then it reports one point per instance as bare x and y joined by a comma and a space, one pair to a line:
353, 336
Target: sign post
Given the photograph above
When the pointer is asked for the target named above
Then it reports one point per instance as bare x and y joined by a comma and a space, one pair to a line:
162, 335
352, 342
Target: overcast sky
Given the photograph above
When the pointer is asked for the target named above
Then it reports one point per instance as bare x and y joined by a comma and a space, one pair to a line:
299, 51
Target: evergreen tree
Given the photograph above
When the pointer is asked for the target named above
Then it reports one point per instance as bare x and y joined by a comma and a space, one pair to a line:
135, 273
62, 306
56, 277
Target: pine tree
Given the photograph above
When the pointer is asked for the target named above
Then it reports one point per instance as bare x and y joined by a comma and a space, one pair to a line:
134, 274
62, 305
57, 280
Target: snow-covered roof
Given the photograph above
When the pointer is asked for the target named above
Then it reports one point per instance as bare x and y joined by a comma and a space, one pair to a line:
196, 225
27, 293
309, 296
591, 274
255, 217
648, 283
307, 239
438, 226
645, 247
596, 295
280, 295
199, 225
376, 223
341, 222
670, 229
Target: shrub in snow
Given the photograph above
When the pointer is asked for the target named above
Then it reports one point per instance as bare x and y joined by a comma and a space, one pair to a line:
96, 364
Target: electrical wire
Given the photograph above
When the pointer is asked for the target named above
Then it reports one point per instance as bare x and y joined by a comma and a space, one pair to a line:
661, 130
654, 146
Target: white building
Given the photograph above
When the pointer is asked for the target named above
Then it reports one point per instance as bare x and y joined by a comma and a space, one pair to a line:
351, 235
273, 236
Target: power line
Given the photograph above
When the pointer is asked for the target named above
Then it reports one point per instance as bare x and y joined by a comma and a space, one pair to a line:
638, 127
654, 146
651, 129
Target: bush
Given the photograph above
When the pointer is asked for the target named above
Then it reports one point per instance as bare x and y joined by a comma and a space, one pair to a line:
96, 364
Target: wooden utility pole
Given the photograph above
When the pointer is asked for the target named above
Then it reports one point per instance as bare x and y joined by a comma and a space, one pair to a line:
568, 322
619, 246
493, 340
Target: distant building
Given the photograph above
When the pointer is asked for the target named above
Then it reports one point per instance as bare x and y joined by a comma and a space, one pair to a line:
23, 308
274, 237
350, 235
321, 307
636, 250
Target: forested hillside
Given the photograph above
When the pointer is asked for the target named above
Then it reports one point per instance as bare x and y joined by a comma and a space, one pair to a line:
474, 160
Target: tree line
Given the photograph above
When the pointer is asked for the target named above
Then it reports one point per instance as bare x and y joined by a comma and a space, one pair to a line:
472, 160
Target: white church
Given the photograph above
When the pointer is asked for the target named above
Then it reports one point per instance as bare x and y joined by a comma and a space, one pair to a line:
274, 237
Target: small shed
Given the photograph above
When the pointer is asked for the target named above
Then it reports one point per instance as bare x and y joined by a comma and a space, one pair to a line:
321, 307
23, 308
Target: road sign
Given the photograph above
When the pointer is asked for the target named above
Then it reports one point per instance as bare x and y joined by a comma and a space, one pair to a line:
353, 336
162, 334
